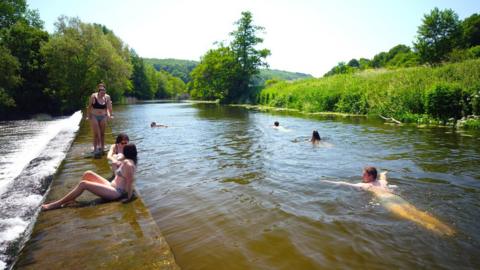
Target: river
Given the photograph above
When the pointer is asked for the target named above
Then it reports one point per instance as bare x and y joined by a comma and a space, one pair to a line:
228, 191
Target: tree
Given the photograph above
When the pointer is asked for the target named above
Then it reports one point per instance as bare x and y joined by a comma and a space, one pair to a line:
9, 78
141, 84
353, 63
78, 56
471, 31
24, 42
438, 35
215, 76
11, 11
249, 58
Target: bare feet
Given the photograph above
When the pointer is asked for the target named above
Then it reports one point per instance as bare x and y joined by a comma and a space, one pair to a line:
50, 206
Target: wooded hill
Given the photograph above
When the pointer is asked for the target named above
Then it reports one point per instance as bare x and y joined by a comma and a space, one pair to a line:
182, 68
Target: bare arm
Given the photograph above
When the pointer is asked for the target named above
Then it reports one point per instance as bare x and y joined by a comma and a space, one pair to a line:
109, 107
89, 107
110, 155
358, 185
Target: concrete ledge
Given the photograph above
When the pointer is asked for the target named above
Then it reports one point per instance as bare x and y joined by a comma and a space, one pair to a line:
93, 235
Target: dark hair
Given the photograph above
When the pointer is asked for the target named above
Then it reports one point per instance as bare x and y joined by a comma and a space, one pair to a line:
276, 123
130, 152
315, 136
153, 124
121, 137
371, 171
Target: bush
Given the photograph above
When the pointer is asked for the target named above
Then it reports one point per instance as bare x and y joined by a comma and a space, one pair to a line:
443, 101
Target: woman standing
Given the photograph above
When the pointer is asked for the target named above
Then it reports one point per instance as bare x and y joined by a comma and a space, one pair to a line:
98, 112
120, 188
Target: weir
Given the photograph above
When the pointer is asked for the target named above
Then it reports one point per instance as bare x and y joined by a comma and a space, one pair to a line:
92, 234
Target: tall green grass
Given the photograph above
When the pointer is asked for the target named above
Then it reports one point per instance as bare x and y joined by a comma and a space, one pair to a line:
409, 94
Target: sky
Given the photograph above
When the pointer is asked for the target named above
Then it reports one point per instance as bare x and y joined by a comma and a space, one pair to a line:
308, 36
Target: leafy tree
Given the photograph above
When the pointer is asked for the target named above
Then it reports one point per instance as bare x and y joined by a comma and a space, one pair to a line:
78, 56
471, 30
353, 63
249, 58
141, 84
11, 11
24, 42
340, 68
215, 76
365, 63
379, 60
438, 35
9, 78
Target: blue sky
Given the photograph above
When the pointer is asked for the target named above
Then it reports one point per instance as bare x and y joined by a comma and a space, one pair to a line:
303, 35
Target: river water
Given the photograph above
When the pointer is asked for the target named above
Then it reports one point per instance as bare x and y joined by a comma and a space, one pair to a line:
228, 191
31, 152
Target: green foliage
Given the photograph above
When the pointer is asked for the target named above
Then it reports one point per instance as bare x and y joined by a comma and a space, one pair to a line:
141, 84
11, 11
9, 79
176, 67
443, 101
78, 56
402, 93
250, 59
471, 31
24, 42
215, 76
227, 73
438, 35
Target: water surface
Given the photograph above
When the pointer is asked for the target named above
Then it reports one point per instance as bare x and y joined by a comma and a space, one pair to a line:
230, 192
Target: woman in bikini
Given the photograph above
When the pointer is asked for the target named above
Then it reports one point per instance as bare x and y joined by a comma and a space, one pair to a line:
98, 112
120, 188
115, 155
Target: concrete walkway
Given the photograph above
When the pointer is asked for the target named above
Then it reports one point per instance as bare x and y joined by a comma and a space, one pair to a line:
91, 234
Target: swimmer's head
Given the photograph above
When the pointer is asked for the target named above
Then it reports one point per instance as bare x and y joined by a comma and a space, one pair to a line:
153, 124
315, 136
369, 174
276, 124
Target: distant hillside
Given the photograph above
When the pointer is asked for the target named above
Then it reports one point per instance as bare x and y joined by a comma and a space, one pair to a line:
182, 68
176, 67
267, 74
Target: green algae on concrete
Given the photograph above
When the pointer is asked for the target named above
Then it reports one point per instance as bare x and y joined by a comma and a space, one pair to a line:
92, 234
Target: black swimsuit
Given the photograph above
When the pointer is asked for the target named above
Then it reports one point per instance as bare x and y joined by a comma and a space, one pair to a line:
97, 105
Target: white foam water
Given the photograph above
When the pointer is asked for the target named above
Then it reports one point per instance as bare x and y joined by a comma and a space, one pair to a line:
32, 153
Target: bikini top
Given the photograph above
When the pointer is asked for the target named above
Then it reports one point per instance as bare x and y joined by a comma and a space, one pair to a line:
97, 105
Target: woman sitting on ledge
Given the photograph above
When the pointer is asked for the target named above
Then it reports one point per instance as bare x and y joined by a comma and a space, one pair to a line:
120, 188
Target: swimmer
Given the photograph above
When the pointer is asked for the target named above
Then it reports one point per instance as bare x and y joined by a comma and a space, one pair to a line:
276, 124
394, 203
315, 137
154, 125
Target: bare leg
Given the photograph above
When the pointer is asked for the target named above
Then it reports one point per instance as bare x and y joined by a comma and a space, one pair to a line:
96, 132
101, 133
93, 177
104, 191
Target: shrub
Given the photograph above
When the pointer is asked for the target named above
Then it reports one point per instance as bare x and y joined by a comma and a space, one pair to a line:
443, 101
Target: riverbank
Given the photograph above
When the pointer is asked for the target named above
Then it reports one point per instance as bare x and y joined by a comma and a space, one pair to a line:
92, 234
422, 95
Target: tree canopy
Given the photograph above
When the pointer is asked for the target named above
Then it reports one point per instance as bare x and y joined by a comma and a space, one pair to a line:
227, 73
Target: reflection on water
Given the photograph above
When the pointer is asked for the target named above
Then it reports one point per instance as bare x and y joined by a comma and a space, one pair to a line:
230, 192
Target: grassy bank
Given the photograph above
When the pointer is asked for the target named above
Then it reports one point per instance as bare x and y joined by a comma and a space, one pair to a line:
420, 94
